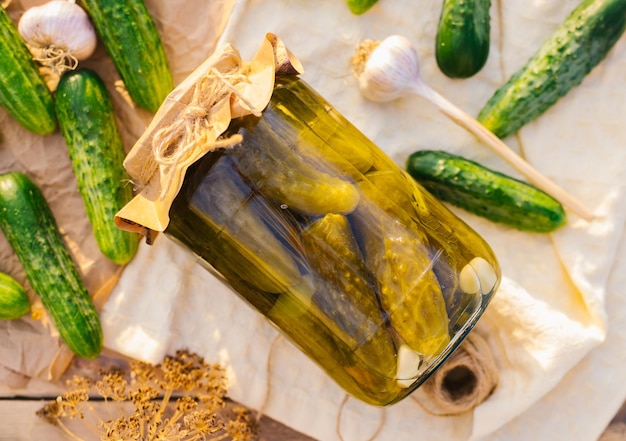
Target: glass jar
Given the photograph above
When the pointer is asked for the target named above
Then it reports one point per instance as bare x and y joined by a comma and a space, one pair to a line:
322, 233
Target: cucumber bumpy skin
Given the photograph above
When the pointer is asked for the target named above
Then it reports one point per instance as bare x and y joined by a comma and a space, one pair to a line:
486, 193
31, 229
87, 120
580, 43
463, 37
409, 290
23, 91
131, 39
14, 302
346, 294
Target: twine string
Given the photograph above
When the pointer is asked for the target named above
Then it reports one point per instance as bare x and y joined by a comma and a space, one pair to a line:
463, 382
178, 141
268, 382
374, 435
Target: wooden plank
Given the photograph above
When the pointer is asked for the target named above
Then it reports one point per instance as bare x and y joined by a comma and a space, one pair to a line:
616, 431
19, 422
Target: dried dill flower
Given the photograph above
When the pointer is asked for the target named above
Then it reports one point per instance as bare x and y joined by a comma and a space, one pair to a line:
183, 398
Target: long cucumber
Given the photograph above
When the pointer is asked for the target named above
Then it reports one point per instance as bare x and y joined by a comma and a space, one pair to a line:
463, 37
23, 91
485, 192
31, 229
131, 39
88, 124
580, 43
14, 302
359, 7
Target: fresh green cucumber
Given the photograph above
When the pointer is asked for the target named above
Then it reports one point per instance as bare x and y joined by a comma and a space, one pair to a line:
359, 7
580, 43
88, 124
14, 302
131, 39
463, 37
23, 91
31, 229
485, 192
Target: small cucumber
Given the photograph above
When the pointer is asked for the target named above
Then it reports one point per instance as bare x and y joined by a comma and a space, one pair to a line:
359, 7
31, 229
580, 43
408, 288
131, 39
14, 302
87, 121
23, 91
486, 192
271, 158
233, 225
463, 37
346, 292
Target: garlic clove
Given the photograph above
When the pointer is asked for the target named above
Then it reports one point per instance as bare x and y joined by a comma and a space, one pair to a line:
409, 362
469, 282
58, 30
387, 70
486, 274
478, 276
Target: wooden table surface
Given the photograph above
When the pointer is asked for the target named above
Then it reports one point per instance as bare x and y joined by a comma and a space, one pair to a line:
18, 422
616, 431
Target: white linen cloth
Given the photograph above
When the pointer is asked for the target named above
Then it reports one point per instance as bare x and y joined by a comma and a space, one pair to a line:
554, 325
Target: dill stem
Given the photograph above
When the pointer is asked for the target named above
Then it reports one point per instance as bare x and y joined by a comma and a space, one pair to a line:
89, 424
108, 406
67, 431
164, 402
172, 420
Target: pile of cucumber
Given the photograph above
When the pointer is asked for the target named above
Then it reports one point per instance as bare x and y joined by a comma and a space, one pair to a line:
579, 44
462, 45
82, 108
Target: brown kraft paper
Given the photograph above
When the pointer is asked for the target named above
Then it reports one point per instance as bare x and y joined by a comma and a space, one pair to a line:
189, 124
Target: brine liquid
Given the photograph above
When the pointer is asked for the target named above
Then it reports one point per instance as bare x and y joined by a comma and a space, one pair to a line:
318, 230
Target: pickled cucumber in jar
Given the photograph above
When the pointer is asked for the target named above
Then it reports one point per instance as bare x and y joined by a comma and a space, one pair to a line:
401, 195
348, 294
228, 226
273, 163
409, 290
322, 233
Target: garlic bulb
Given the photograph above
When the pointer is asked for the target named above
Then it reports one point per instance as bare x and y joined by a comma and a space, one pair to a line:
386, 70
389, 69
59, 33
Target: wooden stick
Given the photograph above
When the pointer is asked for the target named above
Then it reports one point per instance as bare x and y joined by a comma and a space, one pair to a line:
499, 147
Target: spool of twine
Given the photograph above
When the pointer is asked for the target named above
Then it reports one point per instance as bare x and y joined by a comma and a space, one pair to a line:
464, 381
